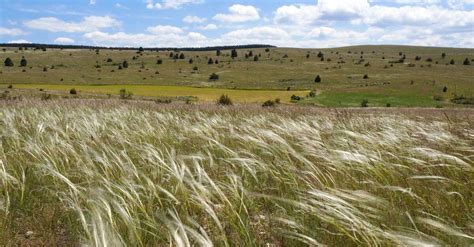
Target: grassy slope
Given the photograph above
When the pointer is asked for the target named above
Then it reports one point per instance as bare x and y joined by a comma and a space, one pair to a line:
340, 84
114, 173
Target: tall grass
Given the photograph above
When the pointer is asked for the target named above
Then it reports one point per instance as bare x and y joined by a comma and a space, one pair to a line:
121, 175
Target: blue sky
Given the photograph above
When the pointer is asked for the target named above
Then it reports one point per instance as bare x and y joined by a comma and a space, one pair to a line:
193, 23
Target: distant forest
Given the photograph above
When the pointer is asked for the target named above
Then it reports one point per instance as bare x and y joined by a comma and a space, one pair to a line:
210, 48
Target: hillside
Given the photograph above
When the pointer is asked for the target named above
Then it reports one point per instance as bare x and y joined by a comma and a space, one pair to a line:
417, 80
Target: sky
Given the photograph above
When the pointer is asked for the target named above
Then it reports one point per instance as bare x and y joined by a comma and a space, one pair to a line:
200, 23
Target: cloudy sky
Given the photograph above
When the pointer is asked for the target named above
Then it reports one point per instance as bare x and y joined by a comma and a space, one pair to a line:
194, 23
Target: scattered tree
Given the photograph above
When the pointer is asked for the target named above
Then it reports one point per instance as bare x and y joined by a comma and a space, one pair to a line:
445, 89
109, 60
317, 79
269, 103
443, 55
255, 58
125, 64
218, 52
124, 94
466, 62
452, 62
181, 56
366, 76
234, 53
210, 61
191, 61
73, 91
141, 49
8, 62
159, 61
214, 77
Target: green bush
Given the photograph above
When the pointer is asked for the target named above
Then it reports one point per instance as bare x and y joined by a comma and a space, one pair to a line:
214, 77
124, 94
364, 103
269, 103
73, 91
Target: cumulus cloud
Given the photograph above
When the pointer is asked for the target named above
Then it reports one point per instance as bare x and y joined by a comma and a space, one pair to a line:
194, 19
208, 27
170, 4
64, 40
19, 41
92, 2
88, 24
11, 31
239, 13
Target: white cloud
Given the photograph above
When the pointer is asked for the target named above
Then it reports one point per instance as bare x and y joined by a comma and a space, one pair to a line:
194, 19
164, 30
92, 2
239, 13
64, 40
208, 27
170, 4
11, 31
20, 41
88, 24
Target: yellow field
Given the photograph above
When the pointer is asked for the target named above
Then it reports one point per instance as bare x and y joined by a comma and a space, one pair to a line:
203, 94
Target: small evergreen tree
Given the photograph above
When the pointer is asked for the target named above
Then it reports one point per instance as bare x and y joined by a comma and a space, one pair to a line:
141, 49
210, 61
317, 79
443, 55
255, 58
181, 56
73, 91
224, 100
159, 61
452, 62
234, 53
8, 62
251, 54
364, 103
218, 52
191, 61
445, 89
366, 76
125, 64
467, 62
214, 77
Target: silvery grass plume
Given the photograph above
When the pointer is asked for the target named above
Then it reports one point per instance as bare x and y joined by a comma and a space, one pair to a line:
118, 175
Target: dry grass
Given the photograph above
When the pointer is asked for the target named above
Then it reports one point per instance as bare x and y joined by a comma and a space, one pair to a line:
108, 173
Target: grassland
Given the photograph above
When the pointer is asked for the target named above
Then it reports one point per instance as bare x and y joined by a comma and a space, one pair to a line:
411, 83
113, 173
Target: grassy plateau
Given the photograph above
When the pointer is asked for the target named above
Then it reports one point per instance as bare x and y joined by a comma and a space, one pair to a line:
117, 173
401, 76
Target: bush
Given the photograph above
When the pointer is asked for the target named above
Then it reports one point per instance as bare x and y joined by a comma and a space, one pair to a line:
224, 100
233, 53
218, 53
269, 103
452, 62
181, 56
73, 91
214, 77
466, 62
159, 61
8, 62
124, 64
255, 58
124, 94
109, 60
195, 68
445, 89
366, 77
210, 61
317, 79
438, 98
45, 69
463, 100
23, 62
191, 61
364, 103
277, 100
10, 86
295, 98
312, 94
388, 105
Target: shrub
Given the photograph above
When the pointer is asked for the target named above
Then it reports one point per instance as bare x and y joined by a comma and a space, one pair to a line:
277, 100
364, 103
191, 61
267, 50
109, 60
312, 94
366, 77
429, 60
46, 96
214, 77
233, 53
181, 56
463, 100
125, 64
466, 62
438, 98
124, 94
8, 62
23, 62
159, 61
195, 68
307, 55
210, 61
295, 98
218, 53
269, 103
224, 100
72, 91
452, 62
255, 58
141, 49
443, 55
417, 58
445, 89
10, 86
388, 105
317, 79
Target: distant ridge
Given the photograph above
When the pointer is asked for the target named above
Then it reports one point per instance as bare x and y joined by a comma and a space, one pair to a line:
210, 48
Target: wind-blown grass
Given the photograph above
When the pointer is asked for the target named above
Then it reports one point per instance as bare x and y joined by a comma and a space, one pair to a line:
117, 174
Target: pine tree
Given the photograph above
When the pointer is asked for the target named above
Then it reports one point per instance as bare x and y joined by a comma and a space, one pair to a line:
317, 79
23, 62
234, 53
467, 62
210, 61
8, 62
125, 64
